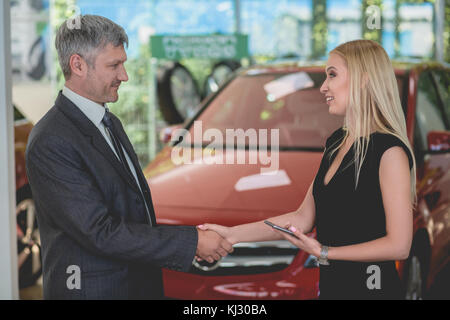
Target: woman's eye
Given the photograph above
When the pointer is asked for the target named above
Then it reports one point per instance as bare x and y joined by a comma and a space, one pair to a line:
332, 75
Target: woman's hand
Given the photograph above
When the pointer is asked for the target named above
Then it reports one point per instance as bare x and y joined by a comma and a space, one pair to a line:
307, 244
225, 232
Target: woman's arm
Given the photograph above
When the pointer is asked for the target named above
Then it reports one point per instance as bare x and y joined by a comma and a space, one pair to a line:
395, 189
394, 176
303, 217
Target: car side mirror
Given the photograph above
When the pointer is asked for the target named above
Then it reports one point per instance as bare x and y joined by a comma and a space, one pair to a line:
438, 141
165, 135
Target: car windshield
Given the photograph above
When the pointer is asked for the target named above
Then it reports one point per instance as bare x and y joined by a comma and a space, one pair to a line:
289, 102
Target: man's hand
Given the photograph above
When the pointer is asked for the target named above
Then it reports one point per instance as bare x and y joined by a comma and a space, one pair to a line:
225, 232
212, 246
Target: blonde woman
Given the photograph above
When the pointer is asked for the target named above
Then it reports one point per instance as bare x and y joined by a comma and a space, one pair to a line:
362, 197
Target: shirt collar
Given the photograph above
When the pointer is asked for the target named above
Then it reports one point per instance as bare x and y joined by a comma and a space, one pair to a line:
92, 110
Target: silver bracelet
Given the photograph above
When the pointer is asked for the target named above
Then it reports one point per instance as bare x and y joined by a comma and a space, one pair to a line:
323, 259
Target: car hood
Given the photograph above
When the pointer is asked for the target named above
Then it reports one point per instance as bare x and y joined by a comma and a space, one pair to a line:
228, 193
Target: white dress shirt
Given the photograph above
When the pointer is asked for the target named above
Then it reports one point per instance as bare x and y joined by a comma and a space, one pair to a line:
95, 112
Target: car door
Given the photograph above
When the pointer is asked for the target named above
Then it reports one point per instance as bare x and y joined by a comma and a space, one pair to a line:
433, 162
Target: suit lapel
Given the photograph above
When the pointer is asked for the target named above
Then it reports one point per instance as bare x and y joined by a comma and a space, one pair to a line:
101, 145
130, 150
89, 129
123, 138
142, 181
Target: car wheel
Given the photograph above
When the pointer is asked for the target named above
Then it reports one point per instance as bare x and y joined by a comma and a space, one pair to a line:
178, 94
414, 281
220, 73
28, 240
36, 58
439, 288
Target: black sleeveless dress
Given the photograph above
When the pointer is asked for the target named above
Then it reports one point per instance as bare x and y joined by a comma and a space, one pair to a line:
345, 216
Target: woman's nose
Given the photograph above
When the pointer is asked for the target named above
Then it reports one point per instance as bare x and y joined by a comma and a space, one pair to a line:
324, 87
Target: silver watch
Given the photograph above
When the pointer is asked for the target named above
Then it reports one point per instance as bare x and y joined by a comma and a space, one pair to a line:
323, 259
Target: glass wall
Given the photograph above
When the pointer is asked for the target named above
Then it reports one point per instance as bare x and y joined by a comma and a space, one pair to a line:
408, 29
344, 21
300, 29
278, 28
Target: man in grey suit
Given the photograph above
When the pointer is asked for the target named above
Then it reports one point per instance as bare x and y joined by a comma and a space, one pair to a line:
99, 235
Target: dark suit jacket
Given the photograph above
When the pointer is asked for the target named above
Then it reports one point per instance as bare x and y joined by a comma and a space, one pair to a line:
91, 214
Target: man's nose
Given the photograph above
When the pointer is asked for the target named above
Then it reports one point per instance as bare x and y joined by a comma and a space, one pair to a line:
123, 76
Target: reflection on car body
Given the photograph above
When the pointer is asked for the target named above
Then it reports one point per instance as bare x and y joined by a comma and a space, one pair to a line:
232, 194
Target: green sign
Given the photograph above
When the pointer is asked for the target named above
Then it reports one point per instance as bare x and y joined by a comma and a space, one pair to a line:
233, 46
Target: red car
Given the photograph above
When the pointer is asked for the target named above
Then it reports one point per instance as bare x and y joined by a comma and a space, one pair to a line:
286, 97
28, 242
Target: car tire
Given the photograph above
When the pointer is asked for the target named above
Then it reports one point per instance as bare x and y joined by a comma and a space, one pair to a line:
219, 74
28, 240
36, 56
416, 270
439, 288
178, 94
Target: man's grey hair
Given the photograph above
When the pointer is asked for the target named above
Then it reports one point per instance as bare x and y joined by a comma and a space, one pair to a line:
93, 34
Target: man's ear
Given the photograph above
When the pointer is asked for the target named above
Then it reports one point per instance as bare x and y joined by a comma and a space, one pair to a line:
78, 65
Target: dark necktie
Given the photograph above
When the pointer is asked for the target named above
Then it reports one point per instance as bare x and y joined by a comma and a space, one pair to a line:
116, 142
118, 147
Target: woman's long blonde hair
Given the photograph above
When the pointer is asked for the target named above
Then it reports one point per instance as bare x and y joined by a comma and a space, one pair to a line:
374, 101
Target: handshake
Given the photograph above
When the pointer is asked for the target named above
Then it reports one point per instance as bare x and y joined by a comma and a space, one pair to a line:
213, 243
